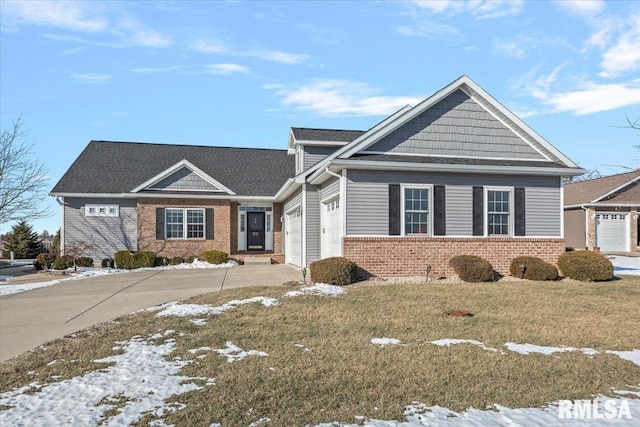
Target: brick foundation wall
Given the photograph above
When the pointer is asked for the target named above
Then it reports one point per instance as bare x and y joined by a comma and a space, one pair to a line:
169, 248
408, 256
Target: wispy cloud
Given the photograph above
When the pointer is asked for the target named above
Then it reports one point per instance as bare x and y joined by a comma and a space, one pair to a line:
327, 97
153, 70
209, 46
320, 34
520, 46
213, 46
624, 55
219, 69
227, 69
91, 78
481, 9
581, 8
135, 33
77, 16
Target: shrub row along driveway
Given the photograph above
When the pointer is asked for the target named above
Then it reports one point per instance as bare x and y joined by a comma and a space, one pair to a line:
30, 319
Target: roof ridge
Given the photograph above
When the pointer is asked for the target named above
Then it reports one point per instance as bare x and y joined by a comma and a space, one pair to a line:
328, 129
182, 145
636, 171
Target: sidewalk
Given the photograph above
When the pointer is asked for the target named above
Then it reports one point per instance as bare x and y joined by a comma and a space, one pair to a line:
30, 319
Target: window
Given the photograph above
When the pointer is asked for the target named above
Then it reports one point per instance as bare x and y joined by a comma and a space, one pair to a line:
101, 210
184, 223
416, 210
499, 212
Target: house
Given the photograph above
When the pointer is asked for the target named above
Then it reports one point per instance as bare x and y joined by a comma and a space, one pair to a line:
456, 174
603, 213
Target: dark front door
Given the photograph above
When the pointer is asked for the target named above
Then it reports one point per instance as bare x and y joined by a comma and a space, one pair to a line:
255, 228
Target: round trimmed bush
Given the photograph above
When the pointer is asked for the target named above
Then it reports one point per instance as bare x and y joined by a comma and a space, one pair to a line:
472, 268
337, 271
535, 268
585, 266
177, 260
84, 261
63, 262
44, 261
191, 259
215, 257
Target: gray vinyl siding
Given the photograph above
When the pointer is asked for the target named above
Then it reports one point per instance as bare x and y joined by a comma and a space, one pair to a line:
456, 126
575, 232
459, 215
330, 188
184, 180
293, 201
107, 235
313, 154
312, 216
368, 205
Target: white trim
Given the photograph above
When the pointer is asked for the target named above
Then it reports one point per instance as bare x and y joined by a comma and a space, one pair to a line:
265, 199
318, 143
62, 228
429, 212
603, 205
343, 197
175, 168
511, 191
303, 202
561, 210
97, 207
450, 156
637, 178
185, 223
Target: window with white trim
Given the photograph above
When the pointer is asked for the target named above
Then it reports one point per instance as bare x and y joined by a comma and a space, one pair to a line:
416, 205
185, 223
101, 210
499, 215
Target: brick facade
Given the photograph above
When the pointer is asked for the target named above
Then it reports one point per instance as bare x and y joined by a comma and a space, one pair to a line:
170, 248
409, 256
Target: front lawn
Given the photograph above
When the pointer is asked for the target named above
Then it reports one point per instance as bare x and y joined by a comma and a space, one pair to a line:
310, 359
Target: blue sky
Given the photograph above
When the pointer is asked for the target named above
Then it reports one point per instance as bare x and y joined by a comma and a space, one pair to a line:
241, 73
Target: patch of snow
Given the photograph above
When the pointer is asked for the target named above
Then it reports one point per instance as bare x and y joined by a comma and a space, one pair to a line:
632, 356
260, 422
141, 375
625, 265
319, 289
198, 322
233, 353
187, 310
532, 348
302, 347
446, 342
385, 341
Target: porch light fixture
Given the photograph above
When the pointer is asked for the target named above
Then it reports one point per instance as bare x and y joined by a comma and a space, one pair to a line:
428, 271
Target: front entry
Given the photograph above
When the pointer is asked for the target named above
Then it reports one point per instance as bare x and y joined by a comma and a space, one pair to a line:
255, 228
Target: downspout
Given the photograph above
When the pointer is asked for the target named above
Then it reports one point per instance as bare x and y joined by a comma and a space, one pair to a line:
586, 225
326, 169
60, 201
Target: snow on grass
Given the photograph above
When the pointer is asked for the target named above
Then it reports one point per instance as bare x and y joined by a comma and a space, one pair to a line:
532, 348
139, 382
625, 265
87, 272
187, 310
632, 356
233, 353
385, 341
446, 342
320, 289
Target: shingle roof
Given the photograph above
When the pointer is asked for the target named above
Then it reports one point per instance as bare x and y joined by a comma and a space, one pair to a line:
579, 193
119, 167
328, 135
455, 161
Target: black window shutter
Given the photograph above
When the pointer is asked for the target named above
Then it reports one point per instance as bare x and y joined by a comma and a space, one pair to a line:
478, 211
394, 209
520, 225
159, 223
439, 212
208, 223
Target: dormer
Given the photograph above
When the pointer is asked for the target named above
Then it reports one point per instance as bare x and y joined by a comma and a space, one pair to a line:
312, 145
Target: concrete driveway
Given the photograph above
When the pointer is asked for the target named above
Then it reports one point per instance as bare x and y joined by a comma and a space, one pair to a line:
32, 318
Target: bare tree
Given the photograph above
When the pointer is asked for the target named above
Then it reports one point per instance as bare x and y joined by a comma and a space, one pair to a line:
78, 249
23, 180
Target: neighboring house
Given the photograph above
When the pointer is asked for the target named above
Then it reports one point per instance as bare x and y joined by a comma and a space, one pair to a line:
603, 213
456, 174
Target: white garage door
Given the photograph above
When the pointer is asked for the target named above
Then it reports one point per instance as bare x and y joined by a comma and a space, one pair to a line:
293, 238
331, 235
612, 232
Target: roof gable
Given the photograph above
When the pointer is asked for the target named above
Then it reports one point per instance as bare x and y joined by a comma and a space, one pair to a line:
330, 137
181, 177
456, 126
619, 188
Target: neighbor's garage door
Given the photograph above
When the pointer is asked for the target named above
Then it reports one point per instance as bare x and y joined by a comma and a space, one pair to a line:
612, 232
293, 238
330, 245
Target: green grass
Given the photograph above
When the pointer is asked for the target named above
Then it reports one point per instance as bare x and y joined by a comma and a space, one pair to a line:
344, 375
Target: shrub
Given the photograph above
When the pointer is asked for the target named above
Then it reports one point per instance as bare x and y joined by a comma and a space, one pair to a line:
107, 263
84, 261
44, 261
177, 260
472, 268
138, 259
63, 262
161, 261
535, 268
585, 266
334, 271
191, 259
215, 257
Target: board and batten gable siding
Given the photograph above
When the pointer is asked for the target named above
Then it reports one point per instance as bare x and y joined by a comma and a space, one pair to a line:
313, 154
312, 216
368, 200
456, 126
330, 188
106, 234
183, 180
